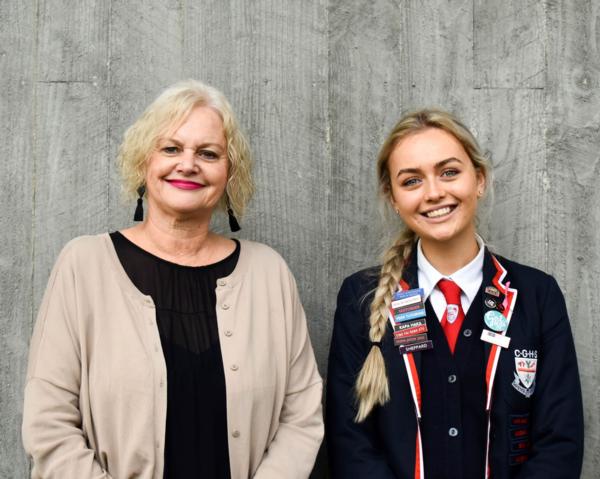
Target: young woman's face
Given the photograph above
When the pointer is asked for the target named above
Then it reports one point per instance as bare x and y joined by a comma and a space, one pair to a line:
435, 187
187, 173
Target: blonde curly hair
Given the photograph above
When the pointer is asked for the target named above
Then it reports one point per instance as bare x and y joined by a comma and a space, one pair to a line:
372, 387
163, 116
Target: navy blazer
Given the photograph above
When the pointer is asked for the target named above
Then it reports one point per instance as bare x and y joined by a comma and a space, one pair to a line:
550, 413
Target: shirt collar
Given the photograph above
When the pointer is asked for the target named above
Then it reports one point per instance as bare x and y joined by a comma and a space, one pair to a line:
468, 278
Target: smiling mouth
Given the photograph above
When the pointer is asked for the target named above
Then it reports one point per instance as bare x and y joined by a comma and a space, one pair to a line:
185, 185
439, 212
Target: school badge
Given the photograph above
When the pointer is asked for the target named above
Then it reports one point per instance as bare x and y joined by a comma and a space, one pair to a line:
525, 369
451, 313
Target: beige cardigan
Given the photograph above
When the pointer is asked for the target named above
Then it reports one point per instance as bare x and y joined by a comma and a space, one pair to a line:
95, 398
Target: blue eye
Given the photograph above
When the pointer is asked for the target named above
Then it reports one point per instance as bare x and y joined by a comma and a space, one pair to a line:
170, 150
208, 154
410, 182
450, 173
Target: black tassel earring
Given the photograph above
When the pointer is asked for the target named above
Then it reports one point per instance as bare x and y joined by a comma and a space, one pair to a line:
233, 222
139, 209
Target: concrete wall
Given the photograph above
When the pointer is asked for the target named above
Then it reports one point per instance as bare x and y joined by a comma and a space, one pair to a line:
316, 85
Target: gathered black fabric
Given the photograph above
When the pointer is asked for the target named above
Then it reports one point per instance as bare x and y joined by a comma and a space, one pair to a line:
185, 300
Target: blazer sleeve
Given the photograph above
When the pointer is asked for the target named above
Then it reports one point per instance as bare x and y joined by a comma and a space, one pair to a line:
353, 449
51, 430
293, 450
557, 414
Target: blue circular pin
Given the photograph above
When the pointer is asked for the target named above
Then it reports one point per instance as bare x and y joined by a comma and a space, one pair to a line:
495, 320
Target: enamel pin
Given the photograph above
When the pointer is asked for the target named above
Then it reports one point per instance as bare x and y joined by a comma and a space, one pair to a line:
495, 320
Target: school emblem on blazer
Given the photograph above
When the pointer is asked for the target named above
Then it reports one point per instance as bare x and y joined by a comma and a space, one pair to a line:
525, 369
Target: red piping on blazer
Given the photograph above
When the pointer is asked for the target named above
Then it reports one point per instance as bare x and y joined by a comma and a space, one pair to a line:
415, 387
492, 363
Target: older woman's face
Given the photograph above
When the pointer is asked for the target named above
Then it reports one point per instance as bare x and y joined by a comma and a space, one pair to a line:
187, 173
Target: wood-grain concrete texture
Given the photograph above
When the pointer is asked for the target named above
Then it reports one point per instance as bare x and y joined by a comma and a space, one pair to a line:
316, 85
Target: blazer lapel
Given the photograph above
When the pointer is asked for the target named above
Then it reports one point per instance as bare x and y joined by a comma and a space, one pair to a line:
489, 272
497, 288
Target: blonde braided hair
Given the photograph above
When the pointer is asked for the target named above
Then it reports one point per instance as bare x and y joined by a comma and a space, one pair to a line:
372, 386
372, 383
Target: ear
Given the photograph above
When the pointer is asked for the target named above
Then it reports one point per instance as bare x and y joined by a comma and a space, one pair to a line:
481, 182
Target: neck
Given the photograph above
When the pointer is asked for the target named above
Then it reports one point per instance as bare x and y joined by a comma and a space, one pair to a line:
450, 256
183, 240
177, 237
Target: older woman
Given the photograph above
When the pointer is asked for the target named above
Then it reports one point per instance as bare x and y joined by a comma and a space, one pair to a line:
165, 349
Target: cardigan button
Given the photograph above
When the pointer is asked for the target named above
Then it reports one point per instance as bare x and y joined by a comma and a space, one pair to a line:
221, 282
235, 433
225, 306
467, 333
228, 333
234, 367
452, 378
452, 432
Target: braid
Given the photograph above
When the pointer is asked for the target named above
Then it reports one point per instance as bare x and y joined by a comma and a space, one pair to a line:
372, 386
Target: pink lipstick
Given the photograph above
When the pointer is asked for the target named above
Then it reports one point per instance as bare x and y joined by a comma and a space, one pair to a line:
185, 185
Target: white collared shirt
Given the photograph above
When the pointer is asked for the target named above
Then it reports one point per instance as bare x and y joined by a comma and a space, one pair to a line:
468, 278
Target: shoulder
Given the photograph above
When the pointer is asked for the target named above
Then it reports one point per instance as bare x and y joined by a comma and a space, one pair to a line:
83, 249
362, 281
264, 264
259, 254
525, 276
260, 251
535, 286
358, 288
80, 263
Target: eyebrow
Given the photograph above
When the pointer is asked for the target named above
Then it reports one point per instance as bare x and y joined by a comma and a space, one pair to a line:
179, 143
438, 165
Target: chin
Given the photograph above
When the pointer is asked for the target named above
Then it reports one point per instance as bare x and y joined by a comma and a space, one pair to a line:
188, 211
441, 236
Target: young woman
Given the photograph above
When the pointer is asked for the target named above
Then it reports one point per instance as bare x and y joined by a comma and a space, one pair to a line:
449, 361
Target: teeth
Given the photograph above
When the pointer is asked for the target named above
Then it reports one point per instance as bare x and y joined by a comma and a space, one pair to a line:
438, 213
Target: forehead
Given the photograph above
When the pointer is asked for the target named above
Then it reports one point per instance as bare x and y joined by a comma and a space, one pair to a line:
202, 124
426, 147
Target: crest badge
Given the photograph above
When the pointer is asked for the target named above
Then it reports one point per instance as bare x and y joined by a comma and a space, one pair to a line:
451, 313
525, 369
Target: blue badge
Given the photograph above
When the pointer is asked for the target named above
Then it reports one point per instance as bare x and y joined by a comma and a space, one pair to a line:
408, 305
408, 293
401, 317
495, 320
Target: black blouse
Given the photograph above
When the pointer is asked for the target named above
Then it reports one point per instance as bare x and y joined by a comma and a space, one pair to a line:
185, 300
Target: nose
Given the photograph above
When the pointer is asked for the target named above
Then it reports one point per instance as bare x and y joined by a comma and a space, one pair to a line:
187, 164
434, 191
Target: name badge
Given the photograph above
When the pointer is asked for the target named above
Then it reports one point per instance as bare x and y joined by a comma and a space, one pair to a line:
408, 305
495, 338
408, 320
413, 348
